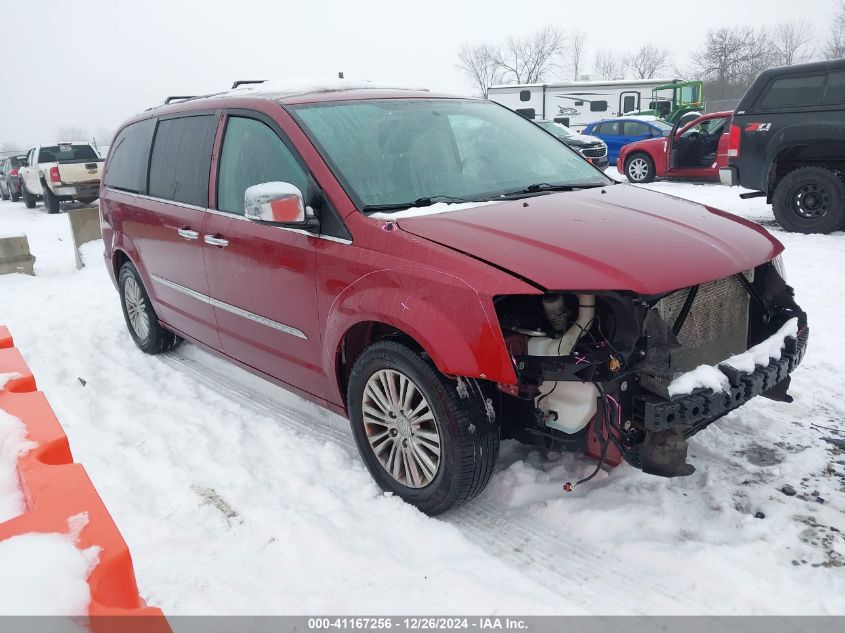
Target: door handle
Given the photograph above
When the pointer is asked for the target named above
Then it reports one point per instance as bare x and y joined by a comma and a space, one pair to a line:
216, 241
187, 233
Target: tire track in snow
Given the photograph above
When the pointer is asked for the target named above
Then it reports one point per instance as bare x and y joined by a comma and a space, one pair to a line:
583, 571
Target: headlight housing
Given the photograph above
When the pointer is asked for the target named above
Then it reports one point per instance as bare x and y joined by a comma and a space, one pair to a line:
777, 262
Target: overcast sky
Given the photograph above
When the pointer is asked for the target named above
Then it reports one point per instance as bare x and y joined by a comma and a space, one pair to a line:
92, 63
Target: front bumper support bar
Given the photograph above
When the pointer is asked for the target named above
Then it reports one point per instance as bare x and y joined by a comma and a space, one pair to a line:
695, 411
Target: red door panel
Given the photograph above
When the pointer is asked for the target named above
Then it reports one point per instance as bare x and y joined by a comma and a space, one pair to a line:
163, 233
263, 287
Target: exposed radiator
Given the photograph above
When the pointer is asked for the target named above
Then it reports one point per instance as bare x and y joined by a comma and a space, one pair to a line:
716, 326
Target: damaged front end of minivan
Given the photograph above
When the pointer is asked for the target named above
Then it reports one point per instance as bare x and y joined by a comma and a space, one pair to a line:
604, 372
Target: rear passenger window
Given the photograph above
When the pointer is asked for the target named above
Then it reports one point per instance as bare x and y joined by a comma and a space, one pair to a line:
181, 159
793, 91
253, 154
130, 155
634, 128
835, 92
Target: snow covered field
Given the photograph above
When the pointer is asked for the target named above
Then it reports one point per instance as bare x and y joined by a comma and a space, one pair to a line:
236, 497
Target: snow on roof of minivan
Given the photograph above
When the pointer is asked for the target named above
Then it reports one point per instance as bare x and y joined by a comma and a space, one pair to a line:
293, 87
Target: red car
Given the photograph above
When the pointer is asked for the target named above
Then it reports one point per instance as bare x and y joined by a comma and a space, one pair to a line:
441, 271
696, 151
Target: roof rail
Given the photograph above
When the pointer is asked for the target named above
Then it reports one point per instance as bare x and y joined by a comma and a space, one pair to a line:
178, 98
241, 82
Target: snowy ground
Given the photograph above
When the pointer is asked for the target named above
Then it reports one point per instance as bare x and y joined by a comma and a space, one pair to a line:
237, 497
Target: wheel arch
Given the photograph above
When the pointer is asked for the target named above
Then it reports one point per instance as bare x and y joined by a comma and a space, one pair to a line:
795, 153
453, 326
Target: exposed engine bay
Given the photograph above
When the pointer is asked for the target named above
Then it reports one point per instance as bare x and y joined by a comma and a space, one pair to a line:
595, 369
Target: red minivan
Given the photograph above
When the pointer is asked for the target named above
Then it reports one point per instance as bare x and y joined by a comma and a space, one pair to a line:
445, 274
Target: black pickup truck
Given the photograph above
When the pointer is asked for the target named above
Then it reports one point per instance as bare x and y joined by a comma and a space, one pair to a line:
787, 142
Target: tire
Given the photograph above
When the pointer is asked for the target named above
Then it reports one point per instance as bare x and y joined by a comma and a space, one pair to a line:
28, 198
810, 200
639, 168
4, 192
51, 202
153, 338
15, 197
457, 413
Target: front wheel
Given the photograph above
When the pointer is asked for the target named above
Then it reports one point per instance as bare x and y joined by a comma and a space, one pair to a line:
428, 439
28, 198
639, 168
141, 319
810, 200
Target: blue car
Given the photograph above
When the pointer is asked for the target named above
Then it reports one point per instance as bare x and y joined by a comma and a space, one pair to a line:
619, 132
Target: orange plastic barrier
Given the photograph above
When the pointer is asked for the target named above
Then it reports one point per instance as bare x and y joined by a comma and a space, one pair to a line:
55, 489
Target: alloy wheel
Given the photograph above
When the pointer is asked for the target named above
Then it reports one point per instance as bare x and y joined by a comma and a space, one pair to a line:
638, 169
401, 428
136, 308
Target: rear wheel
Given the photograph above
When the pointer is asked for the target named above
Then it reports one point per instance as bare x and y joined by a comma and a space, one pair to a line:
28, 198
810, 200
141, 319
50, 200
424, 437
15, 196
639, 168
4, 192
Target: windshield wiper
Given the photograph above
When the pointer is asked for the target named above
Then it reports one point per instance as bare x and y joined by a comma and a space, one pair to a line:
544, 187
419, 202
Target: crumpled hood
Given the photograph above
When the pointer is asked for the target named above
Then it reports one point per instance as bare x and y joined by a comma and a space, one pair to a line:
617, 238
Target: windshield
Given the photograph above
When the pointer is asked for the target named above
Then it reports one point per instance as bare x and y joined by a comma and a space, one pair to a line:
558, 129
662, 126
398, 151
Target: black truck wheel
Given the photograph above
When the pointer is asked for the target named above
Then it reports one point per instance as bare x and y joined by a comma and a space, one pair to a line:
28, 198
50, 199
810, 200
424, 437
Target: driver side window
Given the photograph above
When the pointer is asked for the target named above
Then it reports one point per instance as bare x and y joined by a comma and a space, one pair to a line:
253, 154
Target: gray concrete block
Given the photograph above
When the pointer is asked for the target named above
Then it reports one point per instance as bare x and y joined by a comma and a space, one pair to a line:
84, 227
15, 256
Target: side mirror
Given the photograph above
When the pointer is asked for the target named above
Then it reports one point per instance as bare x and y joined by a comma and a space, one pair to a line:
278, 203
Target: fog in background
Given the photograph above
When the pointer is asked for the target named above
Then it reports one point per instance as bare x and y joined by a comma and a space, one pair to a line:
84, 66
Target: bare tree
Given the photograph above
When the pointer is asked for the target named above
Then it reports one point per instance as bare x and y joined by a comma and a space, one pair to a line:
609, 65
529, 59
835, 46
480, 65
732, 58
791, 41
575, 51
647, 61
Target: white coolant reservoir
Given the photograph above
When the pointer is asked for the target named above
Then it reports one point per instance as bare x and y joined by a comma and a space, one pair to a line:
569, 405
573, 402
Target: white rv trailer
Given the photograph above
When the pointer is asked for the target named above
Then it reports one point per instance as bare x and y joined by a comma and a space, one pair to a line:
577, 103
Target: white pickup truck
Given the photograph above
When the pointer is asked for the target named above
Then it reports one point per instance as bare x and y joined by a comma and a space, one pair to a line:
61, 172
